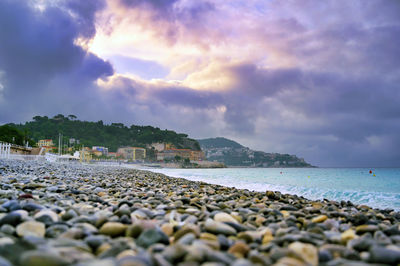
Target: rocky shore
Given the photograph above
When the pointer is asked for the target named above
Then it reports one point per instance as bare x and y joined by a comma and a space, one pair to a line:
72, 214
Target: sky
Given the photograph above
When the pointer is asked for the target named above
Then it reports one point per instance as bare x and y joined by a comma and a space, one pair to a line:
318, 79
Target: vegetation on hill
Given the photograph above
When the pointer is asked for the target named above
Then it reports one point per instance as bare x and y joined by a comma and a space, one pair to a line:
232, 153
219, 143
12, 135
112, 136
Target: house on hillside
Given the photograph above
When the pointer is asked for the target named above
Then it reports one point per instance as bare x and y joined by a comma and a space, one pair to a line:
132, 153
100, 150
45, 143
170, 154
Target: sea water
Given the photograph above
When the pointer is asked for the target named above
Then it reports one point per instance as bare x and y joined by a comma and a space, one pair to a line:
379, 189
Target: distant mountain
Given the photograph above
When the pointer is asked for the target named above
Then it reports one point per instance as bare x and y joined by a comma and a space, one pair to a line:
232, 153
219, 142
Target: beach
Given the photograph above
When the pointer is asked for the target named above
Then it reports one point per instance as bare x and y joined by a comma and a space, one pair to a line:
74, 214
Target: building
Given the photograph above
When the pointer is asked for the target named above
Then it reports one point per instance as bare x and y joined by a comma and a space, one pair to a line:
132, 153
158, 146
97, 153
112, 154
197, 156
45, 143
102, 150
83, 155
170, 154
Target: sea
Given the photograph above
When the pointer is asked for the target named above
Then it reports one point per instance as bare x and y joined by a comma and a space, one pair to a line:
377, 188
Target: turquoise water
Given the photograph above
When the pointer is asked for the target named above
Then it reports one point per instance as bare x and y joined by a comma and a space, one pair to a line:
354, 184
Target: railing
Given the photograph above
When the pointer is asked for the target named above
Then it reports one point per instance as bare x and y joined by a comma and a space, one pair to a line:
24, 157
5, 150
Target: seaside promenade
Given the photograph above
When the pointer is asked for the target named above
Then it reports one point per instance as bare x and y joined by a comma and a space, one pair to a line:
74, 214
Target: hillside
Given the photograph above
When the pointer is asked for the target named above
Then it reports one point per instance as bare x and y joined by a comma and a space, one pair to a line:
232, 153
112, 136
219, 142
15, 136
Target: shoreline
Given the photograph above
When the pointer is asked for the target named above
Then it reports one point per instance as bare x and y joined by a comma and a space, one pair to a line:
123, 215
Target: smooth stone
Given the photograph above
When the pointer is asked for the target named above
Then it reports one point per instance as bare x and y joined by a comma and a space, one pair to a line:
361, 243
365, 228
381, 238
4, 262
287, 261
41, 258
219, 228
12, 218
6, 241
208, 236
134, 230
319, 219
224, 242
186, 239
239, 249
174, 253
126, 253
224, 217
102, 249
267, 237
306, 252
113, 229
31, 228
32, 207
168, 229
46, 216
68, 215
112, 250
242, 262
348, 235
324, 256
95, 241
221, 257
186, 229
380, 254
7, 229
74, 254
133, 261
55, 230
97, 262
150, 237
11, 205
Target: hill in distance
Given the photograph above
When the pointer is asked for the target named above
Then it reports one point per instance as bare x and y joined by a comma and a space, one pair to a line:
232, 153
112, 135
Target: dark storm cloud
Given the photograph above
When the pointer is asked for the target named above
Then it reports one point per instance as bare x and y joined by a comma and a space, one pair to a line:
188, 97
172, 9
40, 59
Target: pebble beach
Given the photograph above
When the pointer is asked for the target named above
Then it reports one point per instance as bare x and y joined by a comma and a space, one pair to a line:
74, 214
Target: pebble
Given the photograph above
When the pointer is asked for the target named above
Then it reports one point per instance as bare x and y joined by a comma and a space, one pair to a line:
239, 249
73, 214
113, 229
361, 229
348, 235
31, 228
41, 258
150, 237
319, 219
306, 252
224, 217
380, 254
218, 228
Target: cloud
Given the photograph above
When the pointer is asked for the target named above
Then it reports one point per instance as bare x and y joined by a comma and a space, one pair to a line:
40, 58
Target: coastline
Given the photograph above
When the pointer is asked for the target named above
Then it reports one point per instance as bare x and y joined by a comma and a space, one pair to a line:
92, 214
